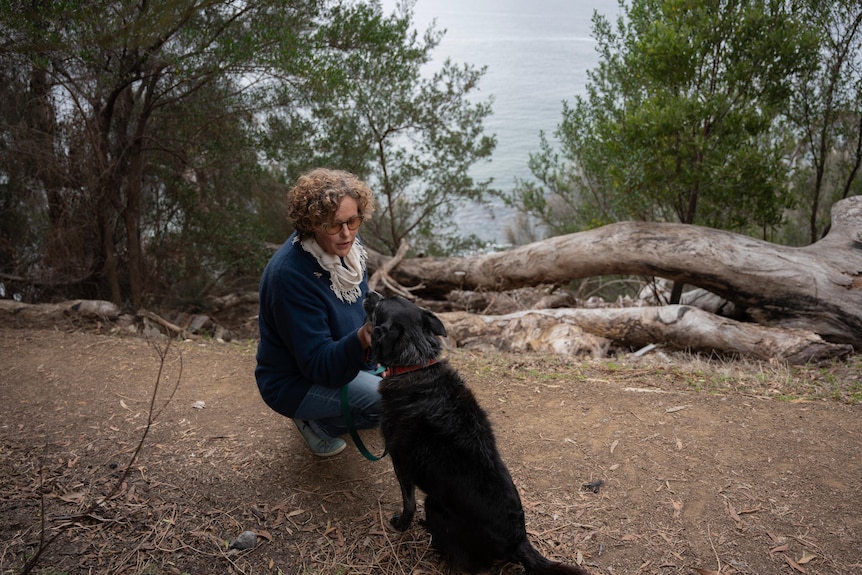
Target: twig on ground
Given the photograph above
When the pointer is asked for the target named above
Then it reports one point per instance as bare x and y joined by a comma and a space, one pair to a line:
714, 550
89, 511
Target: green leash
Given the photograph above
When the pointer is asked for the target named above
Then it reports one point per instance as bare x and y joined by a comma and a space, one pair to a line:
348, 419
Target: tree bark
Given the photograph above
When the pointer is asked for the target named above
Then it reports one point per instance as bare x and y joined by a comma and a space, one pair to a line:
817, 288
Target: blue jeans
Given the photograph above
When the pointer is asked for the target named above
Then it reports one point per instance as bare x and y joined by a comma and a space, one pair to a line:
321, 406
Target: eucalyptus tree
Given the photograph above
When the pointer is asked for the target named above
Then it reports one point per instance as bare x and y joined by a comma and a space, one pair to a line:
826, 115
679, 121
133, 112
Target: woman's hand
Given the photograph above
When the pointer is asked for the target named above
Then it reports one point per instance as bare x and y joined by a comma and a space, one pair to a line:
364, 334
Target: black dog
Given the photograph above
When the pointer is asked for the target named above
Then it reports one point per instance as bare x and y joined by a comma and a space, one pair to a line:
440, 441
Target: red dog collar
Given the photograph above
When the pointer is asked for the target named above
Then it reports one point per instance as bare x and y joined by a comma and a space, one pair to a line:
390, 371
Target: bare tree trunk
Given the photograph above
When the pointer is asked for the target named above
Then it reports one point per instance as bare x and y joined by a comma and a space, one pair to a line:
816, 288
107, 190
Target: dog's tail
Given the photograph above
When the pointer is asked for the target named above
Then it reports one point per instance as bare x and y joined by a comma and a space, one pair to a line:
536, 564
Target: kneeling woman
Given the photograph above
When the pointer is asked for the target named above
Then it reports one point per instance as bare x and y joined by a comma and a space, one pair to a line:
313, 335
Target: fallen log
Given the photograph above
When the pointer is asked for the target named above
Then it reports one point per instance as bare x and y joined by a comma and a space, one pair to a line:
86, 308
593, 331
817, 288
221, 303
179, 331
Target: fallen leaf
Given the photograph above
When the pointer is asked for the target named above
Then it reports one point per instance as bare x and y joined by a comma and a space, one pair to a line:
793, 564
731, 511
806, 558
677, 408
706, 571
265, 534
76, 497
779, 549
614, 445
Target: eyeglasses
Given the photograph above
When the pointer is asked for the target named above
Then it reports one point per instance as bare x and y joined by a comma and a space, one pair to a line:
335, 227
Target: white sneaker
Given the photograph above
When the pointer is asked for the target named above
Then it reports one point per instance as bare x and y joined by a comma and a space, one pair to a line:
319, 446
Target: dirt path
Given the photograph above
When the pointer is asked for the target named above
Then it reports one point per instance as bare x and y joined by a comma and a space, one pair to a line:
705, 467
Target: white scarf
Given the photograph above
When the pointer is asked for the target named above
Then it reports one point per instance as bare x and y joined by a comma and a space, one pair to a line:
346, 274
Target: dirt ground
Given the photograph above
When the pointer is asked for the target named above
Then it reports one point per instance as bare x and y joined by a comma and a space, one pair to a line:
707, 466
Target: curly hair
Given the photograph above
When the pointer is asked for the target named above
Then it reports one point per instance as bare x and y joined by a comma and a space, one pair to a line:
316, 196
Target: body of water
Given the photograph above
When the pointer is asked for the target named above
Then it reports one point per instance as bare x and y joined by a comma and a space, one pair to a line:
537, 53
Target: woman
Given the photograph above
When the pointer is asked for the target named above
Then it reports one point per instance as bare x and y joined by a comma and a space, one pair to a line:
313, 335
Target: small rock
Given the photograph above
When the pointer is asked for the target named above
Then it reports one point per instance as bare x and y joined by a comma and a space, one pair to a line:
245, 540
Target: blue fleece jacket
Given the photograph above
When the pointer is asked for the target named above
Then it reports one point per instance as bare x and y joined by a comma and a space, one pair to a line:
307, 335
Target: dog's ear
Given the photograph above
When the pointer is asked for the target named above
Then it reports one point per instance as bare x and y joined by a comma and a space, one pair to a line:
433, 323
370, 302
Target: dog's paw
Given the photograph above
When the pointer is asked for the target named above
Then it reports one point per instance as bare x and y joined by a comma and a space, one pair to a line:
400, 522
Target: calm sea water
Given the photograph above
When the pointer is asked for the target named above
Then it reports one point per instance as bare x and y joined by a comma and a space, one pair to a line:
537, 53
